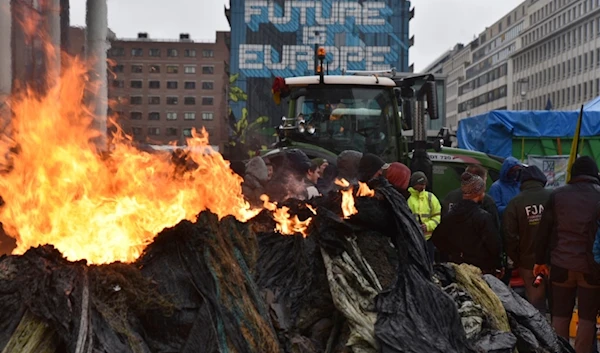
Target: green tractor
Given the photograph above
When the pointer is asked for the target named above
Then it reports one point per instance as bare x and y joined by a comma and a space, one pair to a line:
368, 112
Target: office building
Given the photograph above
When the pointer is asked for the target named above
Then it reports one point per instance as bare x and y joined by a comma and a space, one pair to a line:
558, 66
165, 88
278, 38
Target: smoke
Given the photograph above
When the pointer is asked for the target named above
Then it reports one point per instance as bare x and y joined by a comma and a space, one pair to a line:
285, 184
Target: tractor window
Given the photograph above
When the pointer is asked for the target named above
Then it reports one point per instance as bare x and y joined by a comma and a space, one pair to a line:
347, 117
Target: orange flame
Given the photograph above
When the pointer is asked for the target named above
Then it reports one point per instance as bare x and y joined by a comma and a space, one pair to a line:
59, 189
286, 224
364, 190
348, 207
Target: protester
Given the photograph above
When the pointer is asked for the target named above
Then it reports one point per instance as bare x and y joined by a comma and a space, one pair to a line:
322, 163
312, 177
326, 182
370, 167
564, 241
455, 196
521, 222
399, 176
507, 186
269, 168
426, 206
468, 234
347, 164
255, 178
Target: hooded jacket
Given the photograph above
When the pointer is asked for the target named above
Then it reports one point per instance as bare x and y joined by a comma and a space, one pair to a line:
504, 189
468, 235
254, 180
523, 215
347, 164
427, 208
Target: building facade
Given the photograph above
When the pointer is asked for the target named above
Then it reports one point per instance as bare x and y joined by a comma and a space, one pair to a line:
558, 66
279, 38
163, 89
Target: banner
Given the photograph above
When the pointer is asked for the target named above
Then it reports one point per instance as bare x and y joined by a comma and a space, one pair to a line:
554, 167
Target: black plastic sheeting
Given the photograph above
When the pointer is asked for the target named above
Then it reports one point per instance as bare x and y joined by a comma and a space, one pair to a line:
191, 291
414, 315
533, 331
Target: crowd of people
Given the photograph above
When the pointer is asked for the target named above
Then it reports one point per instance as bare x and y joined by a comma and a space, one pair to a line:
549, 237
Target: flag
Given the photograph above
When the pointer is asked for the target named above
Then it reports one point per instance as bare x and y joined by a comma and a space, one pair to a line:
549, 104
575, 145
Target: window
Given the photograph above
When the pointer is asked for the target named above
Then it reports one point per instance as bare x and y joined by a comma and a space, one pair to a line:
154, 100
118, 68
208, 53
208, 70
153, 131
171, 115
189, 100
137, 52
172, 100
135, 115
207, 100
188, 69
137, 69
189, 116
171, 131
154, 52
172, 53
136, 84
172, 84
154, 84
136, 132
190, 53
208, 85
187, 132
154, 116
135, 100
154, 69
118, 83
117, 51
172, 69
208, 116
190, 85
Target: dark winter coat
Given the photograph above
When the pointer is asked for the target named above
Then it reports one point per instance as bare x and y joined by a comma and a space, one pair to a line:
567, 231
254, 181
522, 219
468, 235
455, 196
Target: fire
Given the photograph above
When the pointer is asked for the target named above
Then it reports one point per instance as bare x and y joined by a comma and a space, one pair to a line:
364, 190
348, 207
286, 224
60, 190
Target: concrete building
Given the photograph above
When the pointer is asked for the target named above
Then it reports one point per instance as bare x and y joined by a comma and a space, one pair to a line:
487, 84
558, 65
165, 88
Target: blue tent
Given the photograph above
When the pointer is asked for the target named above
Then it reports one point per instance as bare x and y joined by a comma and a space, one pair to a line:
493, 132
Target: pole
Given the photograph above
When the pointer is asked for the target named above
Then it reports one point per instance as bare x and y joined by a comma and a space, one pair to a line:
5, 61
96, 50
575, 145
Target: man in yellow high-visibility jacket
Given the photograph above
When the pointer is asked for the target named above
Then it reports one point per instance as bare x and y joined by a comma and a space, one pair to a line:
426, 207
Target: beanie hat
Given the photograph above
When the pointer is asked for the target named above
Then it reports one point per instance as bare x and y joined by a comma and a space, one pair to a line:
369, 165
584, 166
299, 162
347, 163
418, 178
471, 184
534, 173
398, 175
318, 161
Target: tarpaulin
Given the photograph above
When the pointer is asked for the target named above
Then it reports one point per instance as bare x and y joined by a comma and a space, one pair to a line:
493, 132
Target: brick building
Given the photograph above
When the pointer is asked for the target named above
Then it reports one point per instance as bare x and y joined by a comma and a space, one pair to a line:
162, 89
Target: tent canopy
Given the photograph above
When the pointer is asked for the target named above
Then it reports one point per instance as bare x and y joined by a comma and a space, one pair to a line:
493, 132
